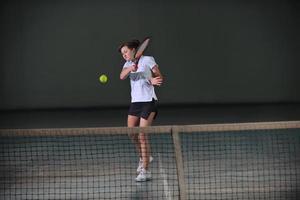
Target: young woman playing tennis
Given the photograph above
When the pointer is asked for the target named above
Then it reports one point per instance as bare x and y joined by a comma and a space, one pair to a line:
142, 111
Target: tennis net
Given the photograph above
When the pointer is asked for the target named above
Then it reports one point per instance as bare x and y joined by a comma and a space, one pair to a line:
214, 161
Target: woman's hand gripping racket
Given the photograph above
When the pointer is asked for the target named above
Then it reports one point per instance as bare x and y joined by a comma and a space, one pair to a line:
140, 50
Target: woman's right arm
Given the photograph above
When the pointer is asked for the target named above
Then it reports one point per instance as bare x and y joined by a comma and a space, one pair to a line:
126, 71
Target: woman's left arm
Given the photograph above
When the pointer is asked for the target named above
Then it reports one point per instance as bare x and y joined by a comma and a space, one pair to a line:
157, 78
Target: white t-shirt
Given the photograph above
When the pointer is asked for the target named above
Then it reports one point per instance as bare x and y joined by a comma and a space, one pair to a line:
141, 88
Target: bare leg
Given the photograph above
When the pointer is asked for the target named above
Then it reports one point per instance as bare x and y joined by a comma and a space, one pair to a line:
144, 142
133, 121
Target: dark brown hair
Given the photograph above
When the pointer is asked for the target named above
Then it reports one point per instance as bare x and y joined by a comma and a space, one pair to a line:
133, 44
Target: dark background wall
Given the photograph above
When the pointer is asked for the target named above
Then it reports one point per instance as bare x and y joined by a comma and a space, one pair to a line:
208, 51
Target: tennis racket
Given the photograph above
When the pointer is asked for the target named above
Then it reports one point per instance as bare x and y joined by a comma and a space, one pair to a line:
141, 49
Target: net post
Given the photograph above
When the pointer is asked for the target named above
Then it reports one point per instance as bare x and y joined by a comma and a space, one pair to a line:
179, 163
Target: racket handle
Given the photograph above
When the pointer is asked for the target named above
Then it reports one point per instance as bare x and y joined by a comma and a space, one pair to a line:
136, 61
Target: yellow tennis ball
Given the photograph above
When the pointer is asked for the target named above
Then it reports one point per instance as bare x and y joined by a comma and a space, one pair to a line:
103, 79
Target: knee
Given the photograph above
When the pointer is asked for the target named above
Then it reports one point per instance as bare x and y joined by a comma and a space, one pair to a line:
143, 138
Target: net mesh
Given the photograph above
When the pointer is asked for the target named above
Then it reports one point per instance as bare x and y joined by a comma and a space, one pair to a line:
247, 165
226, 161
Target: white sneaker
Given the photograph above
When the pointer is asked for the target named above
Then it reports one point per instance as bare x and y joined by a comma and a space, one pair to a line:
141, 165
144, 175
